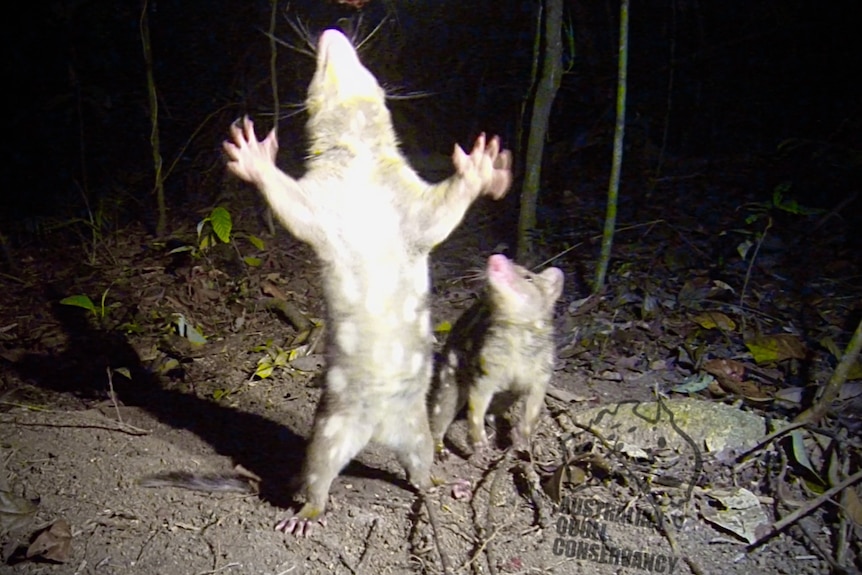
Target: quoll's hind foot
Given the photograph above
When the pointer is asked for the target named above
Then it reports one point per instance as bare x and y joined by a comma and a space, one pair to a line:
482, 448
441, 452
520, 443
302, 524
482, 455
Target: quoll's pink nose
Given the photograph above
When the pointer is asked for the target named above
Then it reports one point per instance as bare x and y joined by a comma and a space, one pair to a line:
498, 262
498, 265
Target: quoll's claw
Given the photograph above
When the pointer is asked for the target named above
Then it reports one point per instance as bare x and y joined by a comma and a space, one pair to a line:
249, 159
301, 524
487, 169
441, 452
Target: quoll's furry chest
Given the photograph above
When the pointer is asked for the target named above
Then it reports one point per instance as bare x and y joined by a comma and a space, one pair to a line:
379, 326
516, 354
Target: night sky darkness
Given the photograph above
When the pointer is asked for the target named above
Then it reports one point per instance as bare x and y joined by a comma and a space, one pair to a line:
749, 74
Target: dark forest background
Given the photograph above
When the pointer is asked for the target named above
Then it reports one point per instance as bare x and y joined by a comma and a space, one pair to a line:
749, 75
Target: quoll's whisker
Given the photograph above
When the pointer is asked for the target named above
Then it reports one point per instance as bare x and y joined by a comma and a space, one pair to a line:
301, 30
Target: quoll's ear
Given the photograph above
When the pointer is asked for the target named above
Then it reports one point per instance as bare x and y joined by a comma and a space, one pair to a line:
554, 280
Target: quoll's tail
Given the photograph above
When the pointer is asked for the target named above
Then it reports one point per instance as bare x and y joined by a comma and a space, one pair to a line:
207, 482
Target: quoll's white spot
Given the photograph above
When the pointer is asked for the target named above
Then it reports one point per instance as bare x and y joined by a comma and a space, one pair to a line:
424, 322
374, 303
347, 338
379, 355
345, 448
336, 379
349, 288
380, 286
411, 302
397, 353
332, 426
420, 277
437, 409
392, 318
312, 478
452, 360
416, 363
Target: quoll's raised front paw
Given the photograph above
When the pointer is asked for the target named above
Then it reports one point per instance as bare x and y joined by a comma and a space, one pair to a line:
487, 169
249, 157
302, 524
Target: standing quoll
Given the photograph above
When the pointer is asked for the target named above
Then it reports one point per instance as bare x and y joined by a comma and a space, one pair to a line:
503, 344
372, 222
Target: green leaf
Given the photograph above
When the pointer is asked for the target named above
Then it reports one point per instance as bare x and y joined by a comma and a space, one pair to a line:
187, 331
282, 358
443, 327
181, 249
800, 454
124, 371
264, 370
79, 301
205, 242
195, 336
221, 223
252, 261
168, 365
778, 193
256, 242
775, 348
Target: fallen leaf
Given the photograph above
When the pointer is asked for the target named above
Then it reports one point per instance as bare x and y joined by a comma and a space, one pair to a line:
53, 544
694, 383
714, 320
742, 513
775, 348
725, 369
800, 453
15, 511
852, 506
695, 290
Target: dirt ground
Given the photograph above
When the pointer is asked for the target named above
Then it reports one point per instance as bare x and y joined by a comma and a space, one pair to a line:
92, 402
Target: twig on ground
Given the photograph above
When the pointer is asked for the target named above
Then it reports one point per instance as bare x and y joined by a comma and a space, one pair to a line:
435, 531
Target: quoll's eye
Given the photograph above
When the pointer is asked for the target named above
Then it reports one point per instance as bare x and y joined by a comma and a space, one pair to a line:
528, 277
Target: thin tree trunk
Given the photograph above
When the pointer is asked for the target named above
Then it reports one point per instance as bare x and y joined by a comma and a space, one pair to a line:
616, 166
546, 91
